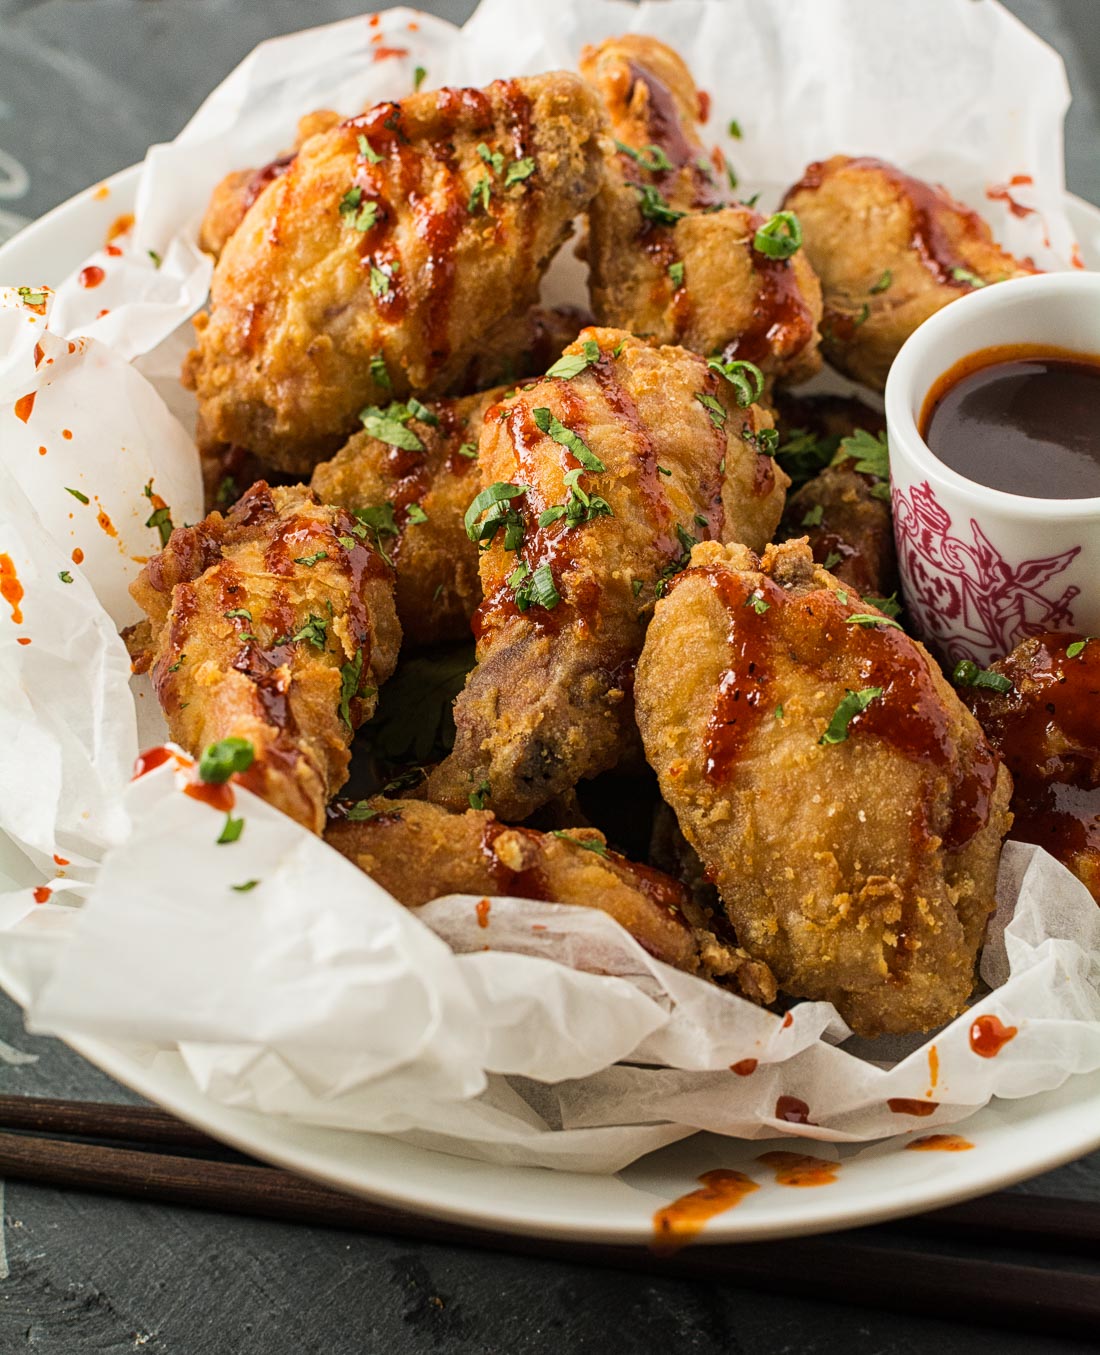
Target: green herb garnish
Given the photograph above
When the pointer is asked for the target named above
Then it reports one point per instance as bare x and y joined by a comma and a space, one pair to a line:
565, 437
779, 237
351, 674
220, 760
654, 207
845, 713
967, 674
592, 845
746, 379
714, 408
357, 214
232, 830
490, 502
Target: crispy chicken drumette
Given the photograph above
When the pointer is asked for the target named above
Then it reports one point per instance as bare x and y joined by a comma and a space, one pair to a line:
420, 852
416, 493
390, 251
671, 257
274, 624
843, 799
1047, 729
598, 479
890, 250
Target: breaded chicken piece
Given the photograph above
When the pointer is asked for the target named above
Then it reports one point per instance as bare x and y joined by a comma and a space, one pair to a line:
846, 520
600, 482
274, 624
429, 487
419, 852
842, 797
890, 250
381, 261
671, 256
1047, 729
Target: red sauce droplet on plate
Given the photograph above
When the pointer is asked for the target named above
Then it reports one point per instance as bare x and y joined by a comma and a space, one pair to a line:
381, 53
800, 1169
677, 1223
933, 1068
59, 860
989, 1035
119, 226
78, 556
91, 276
940, 1143
24, 405
23, 640
67, 434
482, 911
39, 354
149, 760
788, 1020
793, 1110
743, 1067
106, 523
902, 1105
41, 894
10, 588
41, 451
1001, 193
217, 796
704, 104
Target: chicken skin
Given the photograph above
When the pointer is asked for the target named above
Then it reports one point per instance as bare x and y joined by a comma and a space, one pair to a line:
274, 624
843, 799
598, 480
428, 483
1047, 729
419, 852
395, 246
670, 255
890, 251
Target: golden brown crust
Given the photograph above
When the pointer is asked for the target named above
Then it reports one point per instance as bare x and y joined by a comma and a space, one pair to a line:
861, 870
431, 251
848, 526
890, 251
246, 639
548, 703
697, 281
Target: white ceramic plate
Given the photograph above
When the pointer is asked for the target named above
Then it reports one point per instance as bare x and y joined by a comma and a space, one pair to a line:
1011, 1139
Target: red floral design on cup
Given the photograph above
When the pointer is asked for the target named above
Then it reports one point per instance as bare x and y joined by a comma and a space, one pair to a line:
967, 598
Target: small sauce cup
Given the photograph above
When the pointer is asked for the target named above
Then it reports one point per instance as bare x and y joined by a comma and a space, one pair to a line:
981, 569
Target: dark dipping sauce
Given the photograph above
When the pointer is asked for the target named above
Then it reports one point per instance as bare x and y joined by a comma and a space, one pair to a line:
1021, 418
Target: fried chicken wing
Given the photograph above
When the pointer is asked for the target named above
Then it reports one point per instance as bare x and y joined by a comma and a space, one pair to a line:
385, 255
274, 624
597, 484
670, 256
1047, 729
890, 250
429, 482
420, 852
841, 796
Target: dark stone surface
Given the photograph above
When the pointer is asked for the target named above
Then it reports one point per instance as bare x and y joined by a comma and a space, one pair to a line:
85, 85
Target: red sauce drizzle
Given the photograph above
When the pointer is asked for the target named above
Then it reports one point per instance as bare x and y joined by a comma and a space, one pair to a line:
482, 911
782, 322
1001, 193
380, 53
677, 1223
59, 860
11, 590
902, 1105
793, 1110
22, 639
217, 796
149, 760
520, 884
744, 1067
42, 894
989, 1035
24, 405
91, 276
39, 354
273, 170
940, 1143
800, 1169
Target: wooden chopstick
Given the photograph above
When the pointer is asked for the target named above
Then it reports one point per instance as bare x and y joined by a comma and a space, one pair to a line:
101, 1120
838, 1268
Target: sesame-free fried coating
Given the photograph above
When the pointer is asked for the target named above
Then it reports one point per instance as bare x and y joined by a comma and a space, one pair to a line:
606, 477
890, 250
274, 624
419, 852
429, 488
841, 796
671, 254
383, 258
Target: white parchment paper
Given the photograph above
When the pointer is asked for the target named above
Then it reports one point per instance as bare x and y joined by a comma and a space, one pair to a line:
313, 994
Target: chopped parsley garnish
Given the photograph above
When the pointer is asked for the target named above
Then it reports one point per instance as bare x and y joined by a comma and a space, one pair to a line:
493, 158
178, 664
871, 456
157, 260
357, 214
227, 491
755, 600
833, 558
314, 629
491, 501
389, 425
160, 517
244, 888
367, 151
83, 498
779, 712
713, 407
360, 812
687, 541
883, 282
232, 830
746, 379
578, 507
661, 470
734, 129
469, 450
637, 585
414, 722
654, 207
814, 516
311, 560
416, 514
519, 170
650, 158
589, 845
66, 577
535, 588
751, 202
241, 613
845, 713
220, 760
889, 606
479, 196
32, 296
676, 273
570, 365
379, 372
779, 237
841, 595
478, 796
617, 351
965, 275
380, 284
869, 619
1078, 647
379, 519
565, 437
863, 316
763, 440
351, 674
419, 76
803, 454
968, 674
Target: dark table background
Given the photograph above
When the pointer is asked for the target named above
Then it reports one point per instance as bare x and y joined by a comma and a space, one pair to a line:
85, 86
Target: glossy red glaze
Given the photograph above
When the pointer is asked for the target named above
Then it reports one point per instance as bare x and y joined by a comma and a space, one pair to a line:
989, 1035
